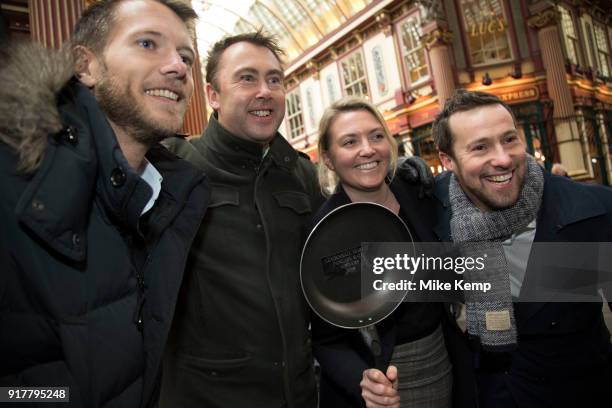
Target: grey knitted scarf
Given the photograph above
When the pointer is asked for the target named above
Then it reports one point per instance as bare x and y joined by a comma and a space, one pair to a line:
490, 315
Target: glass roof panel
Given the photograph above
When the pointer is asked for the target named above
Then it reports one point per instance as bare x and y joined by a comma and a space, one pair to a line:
297, 24
327, 13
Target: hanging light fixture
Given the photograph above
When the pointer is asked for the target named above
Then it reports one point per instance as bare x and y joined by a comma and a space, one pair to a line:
486, 79
516, 72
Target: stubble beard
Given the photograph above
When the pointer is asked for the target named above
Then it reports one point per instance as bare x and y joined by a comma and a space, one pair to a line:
501, 201
124, 110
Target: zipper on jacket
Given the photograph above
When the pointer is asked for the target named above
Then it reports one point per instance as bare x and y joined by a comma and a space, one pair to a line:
140, 286
259, 166
148, 242
263, 165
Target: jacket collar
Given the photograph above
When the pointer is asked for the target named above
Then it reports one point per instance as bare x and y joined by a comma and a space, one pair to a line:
84, 161
121, 190
564, 203
242, 151
413, 210
56, 200
444, 212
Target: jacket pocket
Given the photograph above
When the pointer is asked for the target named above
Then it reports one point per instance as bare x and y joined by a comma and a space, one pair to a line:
213, 368
223, 195
298, 202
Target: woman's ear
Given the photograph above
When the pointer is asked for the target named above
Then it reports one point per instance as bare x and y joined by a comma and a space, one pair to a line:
328, 161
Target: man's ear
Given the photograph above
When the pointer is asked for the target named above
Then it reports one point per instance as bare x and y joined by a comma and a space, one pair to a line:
213, 96
447, 161
87, 66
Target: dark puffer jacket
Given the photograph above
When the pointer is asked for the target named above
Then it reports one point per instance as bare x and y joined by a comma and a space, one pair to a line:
87, 286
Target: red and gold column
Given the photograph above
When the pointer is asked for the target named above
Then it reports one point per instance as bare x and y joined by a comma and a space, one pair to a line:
52, 21
568, 137
195, 118
437, 40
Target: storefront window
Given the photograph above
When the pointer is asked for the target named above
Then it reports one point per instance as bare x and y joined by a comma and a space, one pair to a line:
331, 89
486, 29
294, 114
532, 128
603, 53
609, 35
588, 124
354, 75
569, 35
413, 52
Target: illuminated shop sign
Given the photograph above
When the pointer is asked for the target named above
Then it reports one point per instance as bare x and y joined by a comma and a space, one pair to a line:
490, 25
520, 95
486, 30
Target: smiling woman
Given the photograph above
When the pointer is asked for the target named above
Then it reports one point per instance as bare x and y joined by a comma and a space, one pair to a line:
359, 156
356, 147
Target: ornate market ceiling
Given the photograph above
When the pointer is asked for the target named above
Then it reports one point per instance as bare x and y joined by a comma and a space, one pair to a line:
297, 24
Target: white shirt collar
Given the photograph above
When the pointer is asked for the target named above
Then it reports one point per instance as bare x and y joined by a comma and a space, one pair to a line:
154, 179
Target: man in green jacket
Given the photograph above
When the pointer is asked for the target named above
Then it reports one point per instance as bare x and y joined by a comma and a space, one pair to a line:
240, 335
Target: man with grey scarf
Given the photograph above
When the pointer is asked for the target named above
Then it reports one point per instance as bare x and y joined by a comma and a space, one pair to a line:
497, 200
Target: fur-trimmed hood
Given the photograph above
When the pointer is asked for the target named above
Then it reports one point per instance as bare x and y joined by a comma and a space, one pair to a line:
31, 77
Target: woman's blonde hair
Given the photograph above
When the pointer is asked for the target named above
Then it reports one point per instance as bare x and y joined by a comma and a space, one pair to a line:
328, 179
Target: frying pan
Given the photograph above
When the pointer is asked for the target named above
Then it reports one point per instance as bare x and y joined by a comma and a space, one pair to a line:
330, 269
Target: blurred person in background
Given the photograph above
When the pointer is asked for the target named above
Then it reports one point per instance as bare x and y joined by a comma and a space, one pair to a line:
559, 170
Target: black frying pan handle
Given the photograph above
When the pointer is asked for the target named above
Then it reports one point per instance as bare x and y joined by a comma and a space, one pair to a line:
372, 340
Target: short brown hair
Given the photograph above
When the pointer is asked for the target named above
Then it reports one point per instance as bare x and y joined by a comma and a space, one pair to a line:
258, 38
96, 22
461, 101
328, 179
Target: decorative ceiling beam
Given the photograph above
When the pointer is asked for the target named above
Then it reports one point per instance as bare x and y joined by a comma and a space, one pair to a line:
282, 21
315, 20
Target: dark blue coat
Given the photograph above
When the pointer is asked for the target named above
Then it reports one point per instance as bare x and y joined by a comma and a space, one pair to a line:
80, 267
564, 356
